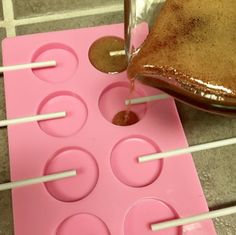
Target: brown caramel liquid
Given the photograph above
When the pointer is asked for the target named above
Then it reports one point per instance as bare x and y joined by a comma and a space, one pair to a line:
131, 91
125, 118
100, 58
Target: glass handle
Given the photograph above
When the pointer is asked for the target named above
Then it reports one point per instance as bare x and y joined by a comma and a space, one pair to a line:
128, 25
139, 16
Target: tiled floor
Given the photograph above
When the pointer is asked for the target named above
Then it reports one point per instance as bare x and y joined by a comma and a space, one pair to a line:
1, 11
216, 168
25, 8
79, 22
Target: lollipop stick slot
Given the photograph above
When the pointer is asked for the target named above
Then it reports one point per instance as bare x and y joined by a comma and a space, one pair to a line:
194, 219
145, 99
191, 149
117, 53
39, 117
42, 179
34, 65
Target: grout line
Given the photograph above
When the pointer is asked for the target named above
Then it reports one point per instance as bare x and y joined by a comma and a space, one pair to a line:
70, 14
2, 24
10, 23
8, 13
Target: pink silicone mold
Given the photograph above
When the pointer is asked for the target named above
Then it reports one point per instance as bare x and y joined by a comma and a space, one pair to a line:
87, 223
112, 100
76, 114
112, 194
124, 161
67, 62
78, 187
148, 211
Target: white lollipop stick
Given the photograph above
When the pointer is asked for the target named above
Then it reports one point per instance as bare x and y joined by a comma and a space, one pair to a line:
194, 219
146, 99
191, 149
37, 180
39, 117
34, 65
117, 53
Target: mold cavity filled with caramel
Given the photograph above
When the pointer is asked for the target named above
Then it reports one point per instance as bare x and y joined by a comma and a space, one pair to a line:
99, 55
125, 118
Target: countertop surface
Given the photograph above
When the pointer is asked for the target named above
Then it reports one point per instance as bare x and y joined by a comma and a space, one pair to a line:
216, 168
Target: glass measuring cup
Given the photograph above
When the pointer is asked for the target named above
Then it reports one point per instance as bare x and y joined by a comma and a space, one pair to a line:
212, 96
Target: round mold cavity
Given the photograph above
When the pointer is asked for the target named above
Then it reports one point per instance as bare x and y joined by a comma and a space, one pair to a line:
146, 212
65, 57
83, 224
100, 58
112, 101
124, 161
77, 187
76, 114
